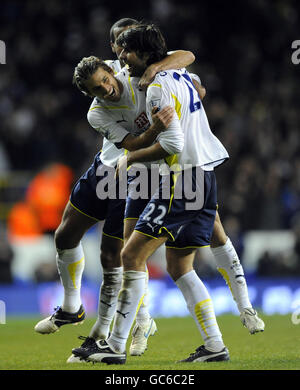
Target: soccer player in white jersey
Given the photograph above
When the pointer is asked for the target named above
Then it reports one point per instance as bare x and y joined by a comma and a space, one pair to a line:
191, 139
227, 260
82, 212
162, 219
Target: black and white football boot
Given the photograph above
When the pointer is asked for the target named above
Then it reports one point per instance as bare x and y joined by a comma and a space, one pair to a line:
59, 318
88, 342
204, 355
99, 352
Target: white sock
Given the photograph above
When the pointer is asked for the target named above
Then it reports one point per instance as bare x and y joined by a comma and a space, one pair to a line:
143, 316
130, 297
108, 297
201, 308
229, 266
70, 265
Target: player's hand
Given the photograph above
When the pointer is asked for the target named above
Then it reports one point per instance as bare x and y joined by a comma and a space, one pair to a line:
200, 89
121, 167
162, 118
147, 77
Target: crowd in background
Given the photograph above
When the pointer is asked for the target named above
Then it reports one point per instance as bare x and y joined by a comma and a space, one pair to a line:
243, 57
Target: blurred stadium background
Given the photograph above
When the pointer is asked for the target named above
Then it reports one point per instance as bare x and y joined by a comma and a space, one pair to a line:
243, 57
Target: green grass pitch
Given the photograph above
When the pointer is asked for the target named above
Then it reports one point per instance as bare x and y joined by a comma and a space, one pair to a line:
277, 348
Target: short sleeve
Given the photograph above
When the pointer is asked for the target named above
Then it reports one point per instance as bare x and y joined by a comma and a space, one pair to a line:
104, 123
171, 140
154, 98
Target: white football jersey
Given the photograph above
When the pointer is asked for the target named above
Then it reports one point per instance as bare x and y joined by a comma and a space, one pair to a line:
115, 120
190, 127
115, 65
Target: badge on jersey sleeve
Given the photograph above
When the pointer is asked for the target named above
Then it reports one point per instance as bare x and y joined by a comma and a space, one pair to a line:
155, 103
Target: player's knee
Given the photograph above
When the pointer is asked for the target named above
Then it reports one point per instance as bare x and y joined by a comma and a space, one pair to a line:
110, 257
64, 239
171, 271
176, 270
219, 237
59, 238
126, 257
175, 273
129, 258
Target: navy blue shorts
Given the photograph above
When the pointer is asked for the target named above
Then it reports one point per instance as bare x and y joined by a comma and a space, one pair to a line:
187, 220
84, 199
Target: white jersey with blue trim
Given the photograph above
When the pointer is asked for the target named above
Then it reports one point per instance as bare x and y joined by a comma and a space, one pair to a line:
189, 139
115, 120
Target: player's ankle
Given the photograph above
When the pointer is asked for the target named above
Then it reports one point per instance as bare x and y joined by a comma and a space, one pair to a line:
116, 345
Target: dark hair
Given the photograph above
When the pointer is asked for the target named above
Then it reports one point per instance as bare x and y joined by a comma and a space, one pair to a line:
85, 69
145, 38
119, 24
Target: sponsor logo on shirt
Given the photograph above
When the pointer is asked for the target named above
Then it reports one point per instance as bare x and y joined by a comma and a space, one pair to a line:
142, 121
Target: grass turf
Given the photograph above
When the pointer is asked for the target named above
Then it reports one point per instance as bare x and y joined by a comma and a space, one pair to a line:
277, 348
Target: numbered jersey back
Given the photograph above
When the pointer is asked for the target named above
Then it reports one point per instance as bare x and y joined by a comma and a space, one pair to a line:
175, 88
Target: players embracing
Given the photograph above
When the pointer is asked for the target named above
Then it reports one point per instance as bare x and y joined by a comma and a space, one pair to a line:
187, 140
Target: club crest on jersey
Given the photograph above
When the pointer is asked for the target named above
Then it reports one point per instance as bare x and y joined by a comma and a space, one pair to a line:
142, 121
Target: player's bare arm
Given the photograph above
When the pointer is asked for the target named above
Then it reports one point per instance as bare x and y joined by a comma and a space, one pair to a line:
161, 121
152, 153
174, 60
172, 143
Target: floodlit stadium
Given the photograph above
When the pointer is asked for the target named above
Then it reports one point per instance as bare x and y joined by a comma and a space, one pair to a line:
62, 245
